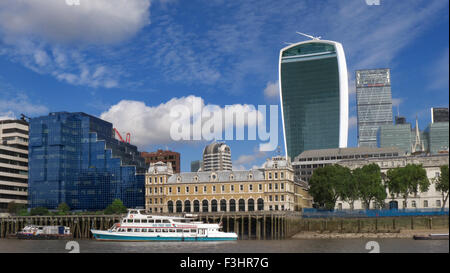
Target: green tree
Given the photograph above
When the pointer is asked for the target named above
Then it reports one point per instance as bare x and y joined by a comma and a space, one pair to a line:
116, 207
369, 184
350, 191
39, 211
408, 180
63, 208
442, 184
328, 184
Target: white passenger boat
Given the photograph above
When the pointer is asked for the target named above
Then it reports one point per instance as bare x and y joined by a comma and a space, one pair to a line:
139, 226
33, 232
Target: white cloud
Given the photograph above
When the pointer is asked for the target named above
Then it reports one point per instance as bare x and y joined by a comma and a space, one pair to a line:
439, 73
13, 107
51, 37
151, 125
91, 22
396, 102
272, 90
352, 122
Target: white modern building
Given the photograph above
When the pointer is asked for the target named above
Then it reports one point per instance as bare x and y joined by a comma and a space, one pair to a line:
216, 157
13, 162
314, 96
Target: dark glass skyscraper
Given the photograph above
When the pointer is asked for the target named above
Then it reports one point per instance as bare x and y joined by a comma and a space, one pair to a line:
439, 114
74, 158
374, 103
314, 96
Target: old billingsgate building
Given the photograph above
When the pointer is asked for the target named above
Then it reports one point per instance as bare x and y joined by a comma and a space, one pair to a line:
269, 188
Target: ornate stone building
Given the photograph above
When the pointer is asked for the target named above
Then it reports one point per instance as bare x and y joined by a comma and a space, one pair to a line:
431, 163
269, 188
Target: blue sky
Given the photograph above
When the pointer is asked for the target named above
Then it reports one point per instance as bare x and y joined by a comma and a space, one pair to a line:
129, 61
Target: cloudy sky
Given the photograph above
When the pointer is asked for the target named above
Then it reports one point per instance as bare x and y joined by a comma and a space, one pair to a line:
129, 61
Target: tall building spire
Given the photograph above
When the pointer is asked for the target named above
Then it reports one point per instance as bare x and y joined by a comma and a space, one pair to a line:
418, 144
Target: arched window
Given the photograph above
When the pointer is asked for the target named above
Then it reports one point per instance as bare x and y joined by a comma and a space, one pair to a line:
214, 205
223, 205
187, 206
196, 206
179, 206
241, 205
251, 204
170, 206
260, 204
205, 206
232, 205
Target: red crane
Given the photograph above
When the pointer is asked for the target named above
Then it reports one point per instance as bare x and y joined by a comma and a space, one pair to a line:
128, 137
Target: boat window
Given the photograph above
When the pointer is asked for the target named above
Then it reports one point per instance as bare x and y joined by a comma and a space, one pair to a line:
157, 221
166, 221
158, 230
186, 230
179, 230
150, 230
150, 221
171, 230
165, 230
130, 220
129, 230
144, 221
137, 220
193, 231
137, 230
144, 230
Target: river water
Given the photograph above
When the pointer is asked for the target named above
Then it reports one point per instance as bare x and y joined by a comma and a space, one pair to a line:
243, 246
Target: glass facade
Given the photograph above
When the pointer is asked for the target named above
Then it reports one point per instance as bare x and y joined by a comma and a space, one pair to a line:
399, 136
433, 140
310, 89
374, 104
439, 114
438, 137
74, 158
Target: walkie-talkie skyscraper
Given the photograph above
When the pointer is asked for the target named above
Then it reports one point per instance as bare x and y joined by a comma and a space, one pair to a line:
314, 96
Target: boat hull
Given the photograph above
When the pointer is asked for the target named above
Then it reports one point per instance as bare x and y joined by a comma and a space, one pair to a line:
42, 237
110, 236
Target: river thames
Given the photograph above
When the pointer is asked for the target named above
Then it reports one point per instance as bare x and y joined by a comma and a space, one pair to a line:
243, 246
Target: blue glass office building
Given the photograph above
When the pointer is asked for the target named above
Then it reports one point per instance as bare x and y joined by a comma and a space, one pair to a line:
74, 158
314, 96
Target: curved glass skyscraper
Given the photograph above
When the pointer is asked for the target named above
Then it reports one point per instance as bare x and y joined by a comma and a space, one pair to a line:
314, 96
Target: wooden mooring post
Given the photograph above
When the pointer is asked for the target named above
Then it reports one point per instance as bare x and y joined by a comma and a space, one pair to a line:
248, 225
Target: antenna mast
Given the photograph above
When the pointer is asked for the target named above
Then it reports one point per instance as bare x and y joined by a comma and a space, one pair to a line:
309, 36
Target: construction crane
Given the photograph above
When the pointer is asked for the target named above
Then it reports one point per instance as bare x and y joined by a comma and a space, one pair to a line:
127, 137
309, 36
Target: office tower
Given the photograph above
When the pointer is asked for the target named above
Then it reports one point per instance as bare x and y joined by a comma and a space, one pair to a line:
13, 162
75, 158
314, 96
400, 120
374, 104
217, 157
196, 165
439, 114
437, 133
163, 156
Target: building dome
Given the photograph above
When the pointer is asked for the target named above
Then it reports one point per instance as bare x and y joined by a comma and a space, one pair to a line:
215, 148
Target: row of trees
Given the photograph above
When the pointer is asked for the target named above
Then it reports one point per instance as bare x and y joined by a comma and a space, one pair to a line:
368, 184
116, 207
